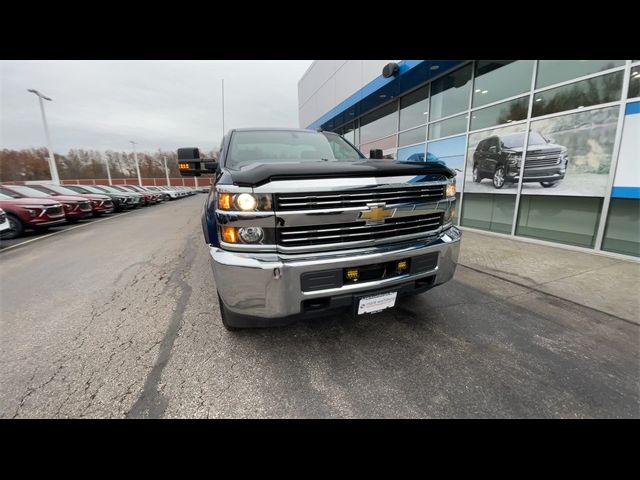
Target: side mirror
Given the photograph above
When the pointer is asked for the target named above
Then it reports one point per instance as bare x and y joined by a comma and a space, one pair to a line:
375, 154
190, 164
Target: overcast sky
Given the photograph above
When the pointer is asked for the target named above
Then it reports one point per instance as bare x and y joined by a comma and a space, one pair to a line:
160, 104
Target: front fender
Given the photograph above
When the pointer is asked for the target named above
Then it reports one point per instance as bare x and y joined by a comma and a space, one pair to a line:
209, 225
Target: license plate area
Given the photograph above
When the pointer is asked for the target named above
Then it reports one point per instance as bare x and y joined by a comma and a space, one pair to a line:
375, 303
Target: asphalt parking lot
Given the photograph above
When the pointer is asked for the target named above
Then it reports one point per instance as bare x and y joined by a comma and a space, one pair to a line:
119, 318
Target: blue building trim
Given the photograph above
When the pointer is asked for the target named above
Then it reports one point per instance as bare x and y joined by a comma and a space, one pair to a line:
632, 108
380, 90
625, 192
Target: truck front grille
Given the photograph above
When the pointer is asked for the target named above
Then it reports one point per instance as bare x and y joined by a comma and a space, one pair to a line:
358, 231
359, 198
542, 159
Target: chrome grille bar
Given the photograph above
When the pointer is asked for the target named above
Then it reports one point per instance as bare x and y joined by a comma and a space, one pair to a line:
310, 201
319, 234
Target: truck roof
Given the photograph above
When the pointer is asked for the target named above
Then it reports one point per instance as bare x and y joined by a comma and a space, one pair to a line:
258, 129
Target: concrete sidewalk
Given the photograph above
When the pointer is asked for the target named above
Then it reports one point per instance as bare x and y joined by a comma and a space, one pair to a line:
607, 284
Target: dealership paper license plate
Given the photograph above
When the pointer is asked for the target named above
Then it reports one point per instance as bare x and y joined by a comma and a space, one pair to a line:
377, 303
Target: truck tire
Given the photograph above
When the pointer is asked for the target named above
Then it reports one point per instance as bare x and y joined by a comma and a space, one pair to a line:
477, 178
16, 228
498, 177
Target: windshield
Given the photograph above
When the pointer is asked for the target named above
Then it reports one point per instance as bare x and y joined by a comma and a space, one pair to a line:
88, 189
517, 140
288, 145
61, 190
28, 192
105, 188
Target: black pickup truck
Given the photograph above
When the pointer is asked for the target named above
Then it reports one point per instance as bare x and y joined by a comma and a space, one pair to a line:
300, 223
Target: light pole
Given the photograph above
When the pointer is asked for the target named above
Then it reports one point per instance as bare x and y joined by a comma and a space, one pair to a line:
166, 170
223, 132
106, 161
52, 162
135, 158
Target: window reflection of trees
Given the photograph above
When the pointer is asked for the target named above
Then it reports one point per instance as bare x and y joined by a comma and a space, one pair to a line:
593, 91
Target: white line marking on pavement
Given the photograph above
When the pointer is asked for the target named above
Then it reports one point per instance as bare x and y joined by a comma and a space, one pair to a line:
63, 231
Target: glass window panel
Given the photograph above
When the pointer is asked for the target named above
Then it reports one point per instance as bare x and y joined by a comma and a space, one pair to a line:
389, 154
450, 94
410, 137
578, 147
506, 112
592, 91
556, 71
414, 108
411, 154
379, 123
448, 127
488, 211
634, 83
497, 79
450, 151
622, 234
384, 144
570, 220
489, 168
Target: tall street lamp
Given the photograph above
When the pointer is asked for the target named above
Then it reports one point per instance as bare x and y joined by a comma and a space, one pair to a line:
135, 158
166, 170
52, 162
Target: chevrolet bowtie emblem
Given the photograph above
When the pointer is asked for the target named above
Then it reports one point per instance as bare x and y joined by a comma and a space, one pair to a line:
376, 213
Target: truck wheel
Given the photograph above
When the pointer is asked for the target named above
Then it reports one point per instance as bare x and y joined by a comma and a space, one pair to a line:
498, 177
227, 316
548, 184
476, 174
15, 228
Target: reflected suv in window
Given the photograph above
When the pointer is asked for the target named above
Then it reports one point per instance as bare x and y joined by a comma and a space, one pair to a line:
500, 159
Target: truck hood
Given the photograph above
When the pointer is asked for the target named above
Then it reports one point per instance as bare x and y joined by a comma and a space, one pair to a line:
256, 174
28, 201
549, 147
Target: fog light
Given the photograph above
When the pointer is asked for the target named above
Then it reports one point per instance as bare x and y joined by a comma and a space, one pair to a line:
402, 265
352, 274
229, 234
251, 234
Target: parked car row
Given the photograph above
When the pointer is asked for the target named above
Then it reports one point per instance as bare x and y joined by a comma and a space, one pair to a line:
39, 207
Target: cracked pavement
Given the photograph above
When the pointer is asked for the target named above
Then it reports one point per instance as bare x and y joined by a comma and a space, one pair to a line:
120, 320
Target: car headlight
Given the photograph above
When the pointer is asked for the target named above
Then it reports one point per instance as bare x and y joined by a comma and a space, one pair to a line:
451, 189
245, 202
514, 159
249, 235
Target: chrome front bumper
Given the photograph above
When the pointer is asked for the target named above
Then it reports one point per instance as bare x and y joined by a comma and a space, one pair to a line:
268, 285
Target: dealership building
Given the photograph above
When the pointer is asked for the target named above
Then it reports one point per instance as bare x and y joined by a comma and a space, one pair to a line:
546, 150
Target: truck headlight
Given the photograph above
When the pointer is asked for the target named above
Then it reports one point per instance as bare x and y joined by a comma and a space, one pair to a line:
451, 190
246, 202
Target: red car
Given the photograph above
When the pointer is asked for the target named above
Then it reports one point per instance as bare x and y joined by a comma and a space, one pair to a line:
149, 197
30, 213
99, 203
75, 207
